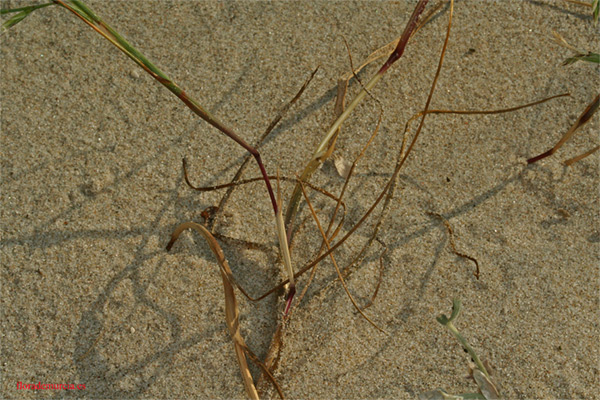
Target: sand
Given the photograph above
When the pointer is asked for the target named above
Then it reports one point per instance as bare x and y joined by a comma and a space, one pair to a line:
92, 188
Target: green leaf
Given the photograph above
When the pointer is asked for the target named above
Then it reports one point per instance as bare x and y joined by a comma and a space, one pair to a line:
442, 319
590, 57
28, 8
14, 20
22, 13
596, 10
456, 306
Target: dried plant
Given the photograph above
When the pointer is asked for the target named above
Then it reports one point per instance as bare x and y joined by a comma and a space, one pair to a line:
286, 227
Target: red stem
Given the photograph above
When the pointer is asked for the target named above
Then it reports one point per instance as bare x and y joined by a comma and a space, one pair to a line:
410, 27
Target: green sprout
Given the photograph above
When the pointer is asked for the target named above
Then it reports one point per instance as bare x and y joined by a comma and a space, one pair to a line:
488, 389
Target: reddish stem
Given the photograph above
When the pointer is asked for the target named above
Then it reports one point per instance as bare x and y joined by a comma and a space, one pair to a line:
410, 27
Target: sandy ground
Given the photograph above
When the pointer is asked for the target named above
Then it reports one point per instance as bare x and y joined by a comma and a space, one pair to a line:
92, 187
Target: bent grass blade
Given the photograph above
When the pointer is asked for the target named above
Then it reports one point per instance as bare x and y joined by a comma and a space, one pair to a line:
232, 313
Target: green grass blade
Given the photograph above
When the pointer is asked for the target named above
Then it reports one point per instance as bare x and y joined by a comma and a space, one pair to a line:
90, 18
23, 12
116, 38
589, 57
28, 8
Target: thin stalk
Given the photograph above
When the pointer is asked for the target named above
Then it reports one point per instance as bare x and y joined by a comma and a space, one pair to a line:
260, 141
448, 323
323, 149
337, 207
580, 157
585, 116
22, 13
337, 268
323, 146
89, 17
285, 250
394, 174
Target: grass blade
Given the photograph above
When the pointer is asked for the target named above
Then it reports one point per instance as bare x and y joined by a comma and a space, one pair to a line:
580, 157
285, 251
232, 312
89, 17
395, 174
23, 12
337, 269
281, 113
589, 57
585, 116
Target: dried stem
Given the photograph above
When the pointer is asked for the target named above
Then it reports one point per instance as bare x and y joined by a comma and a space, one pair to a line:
585, 116
392, 179
337, 269
324, 149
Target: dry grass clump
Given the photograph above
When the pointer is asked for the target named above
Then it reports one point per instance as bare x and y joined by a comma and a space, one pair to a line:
333, 234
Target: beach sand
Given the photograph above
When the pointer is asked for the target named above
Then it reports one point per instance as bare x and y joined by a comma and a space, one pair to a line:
92, 187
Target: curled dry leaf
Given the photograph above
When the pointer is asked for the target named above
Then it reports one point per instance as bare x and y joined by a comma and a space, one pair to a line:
342, 166
486, 385
232, 313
